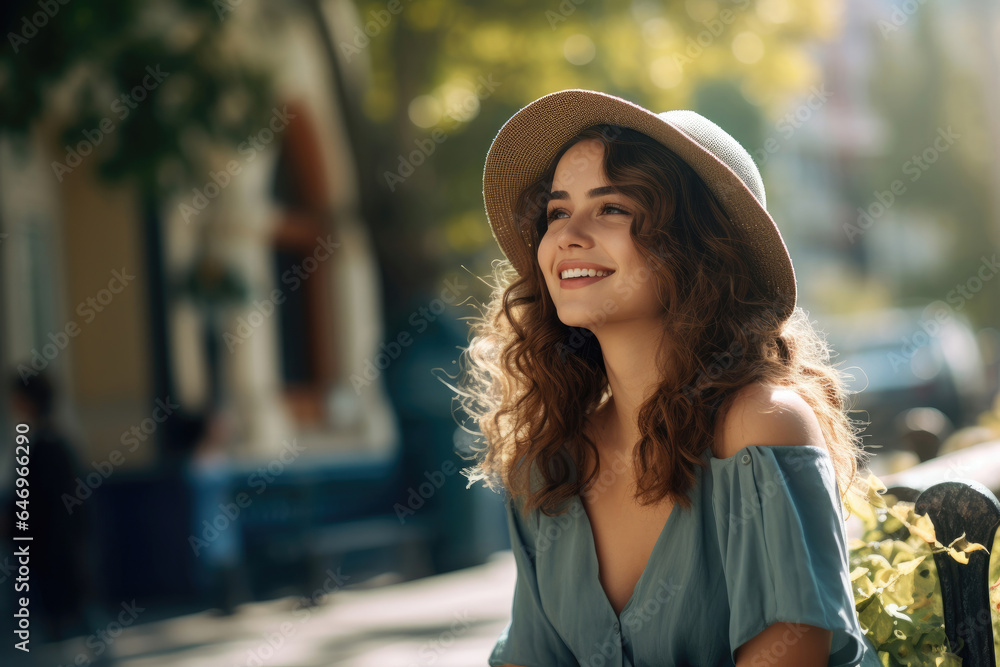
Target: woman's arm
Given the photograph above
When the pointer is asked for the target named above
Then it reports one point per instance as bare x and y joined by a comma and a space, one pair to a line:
787, 645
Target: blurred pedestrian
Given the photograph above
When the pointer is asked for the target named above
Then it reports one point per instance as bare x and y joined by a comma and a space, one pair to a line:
216, 531
62, 570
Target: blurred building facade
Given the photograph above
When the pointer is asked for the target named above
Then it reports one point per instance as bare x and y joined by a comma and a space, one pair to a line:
256, 292
287, 372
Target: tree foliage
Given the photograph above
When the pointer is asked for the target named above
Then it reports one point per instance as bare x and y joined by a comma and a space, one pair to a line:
88, 67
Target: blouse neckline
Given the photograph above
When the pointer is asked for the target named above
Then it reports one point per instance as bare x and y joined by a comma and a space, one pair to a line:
593, 564
593, 569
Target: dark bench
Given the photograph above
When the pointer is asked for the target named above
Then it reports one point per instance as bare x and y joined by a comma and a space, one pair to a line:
956, 507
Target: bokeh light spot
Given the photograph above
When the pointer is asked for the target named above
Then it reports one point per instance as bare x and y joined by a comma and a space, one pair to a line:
425, 111
665, 72
774, 11
748, 47
579, 49
658, 33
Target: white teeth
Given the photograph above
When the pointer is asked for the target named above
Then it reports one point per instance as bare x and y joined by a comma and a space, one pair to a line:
578, 273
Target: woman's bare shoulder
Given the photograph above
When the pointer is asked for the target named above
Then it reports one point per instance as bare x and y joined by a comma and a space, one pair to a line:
761, 414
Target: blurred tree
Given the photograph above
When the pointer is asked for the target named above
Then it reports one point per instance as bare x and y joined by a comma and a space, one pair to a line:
451, 73
198, 83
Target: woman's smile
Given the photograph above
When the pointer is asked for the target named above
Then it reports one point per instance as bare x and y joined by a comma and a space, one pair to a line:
574, 275
577, 283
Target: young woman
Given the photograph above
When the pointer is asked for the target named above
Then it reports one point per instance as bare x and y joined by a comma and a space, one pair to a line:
665, 425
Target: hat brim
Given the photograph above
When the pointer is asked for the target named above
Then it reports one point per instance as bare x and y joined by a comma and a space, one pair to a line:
527, 143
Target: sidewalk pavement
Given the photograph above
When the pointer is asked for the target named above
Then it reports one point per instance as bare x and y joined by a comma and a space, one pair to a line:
448, 620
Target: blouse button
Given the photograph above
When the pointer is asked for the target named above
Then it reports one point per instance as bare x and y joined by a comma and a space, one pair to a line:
745, 459
617, 628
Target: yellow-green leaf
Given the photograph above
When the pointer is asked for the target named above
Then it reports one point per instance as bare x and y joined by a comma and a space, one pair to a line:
875, 488
910, 565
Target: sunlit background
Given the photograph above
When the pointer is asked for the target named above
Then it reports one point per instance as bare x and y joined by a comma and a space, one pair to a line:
239, 239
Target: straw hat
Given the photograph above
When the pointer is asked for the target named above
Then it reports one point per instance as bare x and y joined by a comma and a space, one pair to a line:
528, 142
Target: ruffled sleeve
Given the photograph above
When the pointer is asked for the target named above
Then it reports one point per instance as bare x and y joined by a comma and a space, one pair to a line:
529, 640
780, 525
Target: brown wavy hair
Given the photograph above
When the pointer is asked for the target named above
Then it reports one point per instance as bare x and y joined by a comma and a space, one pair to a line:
530, 381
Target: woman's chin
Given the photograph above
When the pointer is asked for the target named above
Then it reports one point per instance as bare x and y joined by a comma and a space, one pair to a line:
580, 320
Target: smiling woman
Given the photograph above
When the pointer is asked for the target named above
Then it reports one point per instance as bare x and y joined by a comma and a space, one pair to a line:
670, 438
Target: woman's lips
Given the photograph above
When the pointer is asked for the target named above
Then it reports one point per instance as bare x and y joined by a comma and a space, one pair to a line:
576, 283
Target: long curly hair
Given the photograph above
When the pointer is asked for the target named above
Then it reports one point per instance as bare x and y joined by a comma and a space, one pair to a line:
531, 382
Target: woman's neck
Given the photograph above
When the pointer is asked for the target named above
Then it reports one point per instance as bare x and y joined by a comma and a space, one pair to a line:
633, 376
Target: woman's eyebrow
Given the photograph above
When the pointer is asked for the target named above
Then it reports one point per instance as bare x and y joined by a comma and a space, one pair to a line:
596, 192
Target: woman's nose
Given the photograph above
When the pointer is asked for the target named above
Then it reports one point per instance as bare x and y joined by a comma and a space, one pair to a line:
575, 231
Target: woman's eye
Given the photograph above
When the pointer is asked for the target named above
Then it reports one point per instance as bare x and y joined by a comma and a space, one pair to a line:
553, 214
614, 210
606, 209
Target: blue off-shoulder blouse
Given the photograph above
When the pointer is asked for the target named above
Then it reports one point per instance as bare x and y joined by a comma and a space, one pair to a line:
763, 542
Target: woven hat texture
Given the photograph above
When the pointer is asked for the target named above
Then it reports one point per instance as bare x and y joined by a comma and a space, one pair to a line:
528, 142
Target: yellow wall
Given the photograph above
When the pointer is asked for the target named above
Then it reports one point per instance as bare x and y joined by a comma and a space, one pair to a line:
110, 357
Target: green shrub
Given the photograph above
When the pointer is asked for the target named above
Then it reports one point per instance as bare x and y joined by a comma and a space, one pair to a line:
896, 590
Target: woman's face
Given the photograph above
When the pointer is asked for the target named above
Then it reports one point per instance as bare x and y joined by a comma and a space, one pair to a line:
588, 228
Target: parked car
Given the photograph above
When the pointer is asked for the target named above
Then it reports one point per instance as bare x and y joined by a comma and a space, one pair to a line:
902, 359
